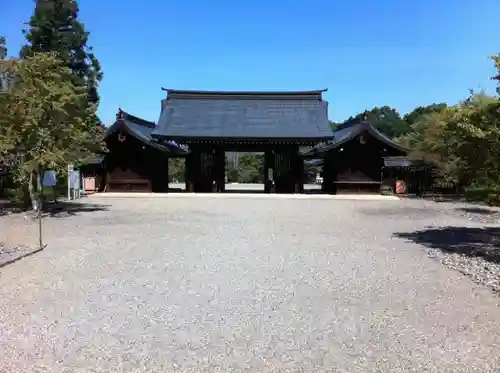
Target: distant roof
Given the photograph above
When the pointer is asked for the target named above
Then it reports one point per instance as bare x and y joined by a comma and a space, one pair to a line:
349, 133
243, 115
141, 129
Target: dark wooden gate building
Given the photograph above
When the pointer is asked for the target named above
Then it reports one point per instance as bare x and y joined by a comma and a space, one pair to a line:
275, 123
135, 162
354, 160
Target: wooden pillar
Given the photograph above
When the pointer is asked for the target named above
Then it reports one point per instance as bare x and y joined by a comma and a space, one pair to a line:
205, 171
191, 170
286, 169
220, 170
269, 164
157, 168
204, 184
161, 176
329, 175
299, 173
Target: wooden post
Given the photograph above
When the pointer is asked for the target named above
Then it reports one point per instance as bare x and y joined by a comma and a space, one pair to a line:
328, 175
268, 164
189, 171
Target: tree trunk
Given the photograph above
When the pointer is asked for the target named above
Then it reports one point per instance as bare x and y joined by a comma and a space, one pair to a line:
33, 192
39, 176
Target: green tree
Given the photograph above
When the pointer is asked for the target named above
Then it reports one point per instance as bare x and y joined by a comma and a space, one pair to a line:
54, 27
233, 175
463, 142
45, 121
416, 114
333, 125
176, 169
385, 119
496, 61
251, 168
3, 48
5, 79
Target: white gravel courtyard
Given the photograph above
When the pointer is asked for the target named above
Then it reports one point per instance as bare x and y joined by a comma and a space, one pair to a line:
186, 284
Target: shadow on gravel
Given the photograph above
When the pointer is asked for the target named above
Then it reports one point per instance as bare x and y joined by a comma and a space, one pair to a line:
482, 242
65, 209
55, 209
477, 210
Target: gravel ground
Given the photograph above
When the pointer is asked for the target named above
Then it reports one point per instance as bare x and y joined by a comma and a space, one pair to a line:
185, 284
9, 254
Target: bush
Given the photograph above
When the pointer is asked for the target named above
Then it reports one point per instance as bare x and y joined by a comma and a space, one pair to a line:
18, 195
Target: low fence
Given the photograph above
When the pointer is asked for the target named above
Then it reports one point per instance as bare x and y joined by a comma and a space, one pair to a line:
417, 181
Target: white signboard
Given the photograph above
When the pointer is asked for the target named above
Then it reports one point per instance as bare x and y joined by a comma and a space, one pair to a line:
73, 182
270, 174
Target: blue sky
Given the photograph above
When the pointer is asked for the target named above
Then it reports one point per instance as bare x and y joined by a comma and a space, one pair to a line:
366, 53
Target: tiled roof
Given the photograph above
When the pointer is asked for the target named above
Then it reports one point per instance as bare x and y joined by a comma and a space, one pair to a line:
349, 133
246, 115
141, 129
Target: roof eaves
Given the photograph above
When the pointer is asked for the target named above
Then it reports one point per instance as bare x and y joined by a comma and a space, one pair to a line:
354, 131
180, 94
386, 140
124, 119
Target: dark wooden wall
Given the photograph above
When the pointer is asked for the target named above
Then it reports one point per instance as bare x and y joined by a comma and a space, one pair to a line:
133, 166
356, 166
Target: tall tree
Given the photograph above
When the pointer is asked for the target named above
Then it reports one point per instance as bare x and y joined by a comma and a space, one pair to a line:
44, 120
496, 61
3, 54
3, 48
54, 27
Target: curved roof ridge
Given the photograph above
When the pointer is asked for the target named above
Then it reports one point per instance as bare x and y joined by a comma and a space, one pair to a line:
141, 129
136, 120
346, 134
210, 92
244, 95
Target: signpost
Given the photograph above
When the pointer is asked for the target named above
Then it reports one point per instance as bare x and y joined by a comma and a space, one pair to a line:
73, 183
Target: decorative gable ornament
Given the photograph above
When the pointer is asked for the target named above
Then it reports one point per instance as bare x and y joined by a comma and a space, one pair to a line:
362, 139
120, 117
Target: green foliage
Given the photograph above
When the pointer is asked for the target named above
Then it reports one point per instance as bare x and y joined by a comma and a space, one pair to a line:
384, 118
5, 79
18, 194
54, 27
333, 125
496, 61
251, 168
233, 175
421, 111
45, 120
176, 168
3, 48
463, 142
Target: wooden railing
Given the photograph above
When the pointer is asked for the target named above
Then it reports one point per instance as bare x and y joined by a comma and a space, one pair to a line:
127, 181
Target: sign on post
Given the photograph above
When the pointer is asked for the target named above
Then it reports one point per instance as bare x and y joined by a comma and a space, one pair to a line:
270, 174
73, 183
49, 179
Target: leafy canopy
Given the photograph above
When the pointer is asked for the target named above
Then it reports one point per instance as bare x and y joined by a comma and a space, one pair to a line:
45, 120
54, 27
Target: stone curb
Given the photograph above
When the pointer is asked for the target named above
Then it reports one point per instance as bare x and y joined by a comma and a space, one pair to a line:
364, 197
